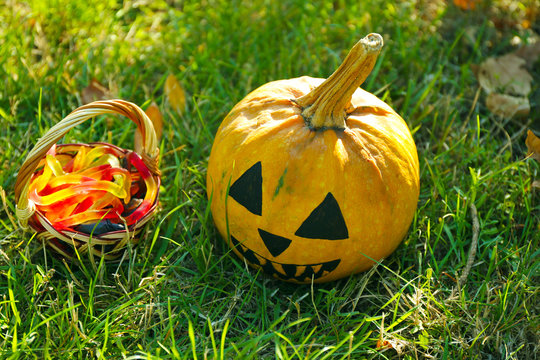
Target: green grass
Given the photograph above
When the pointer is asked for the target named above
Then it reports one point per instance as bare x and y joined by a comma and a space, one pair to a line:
180, 294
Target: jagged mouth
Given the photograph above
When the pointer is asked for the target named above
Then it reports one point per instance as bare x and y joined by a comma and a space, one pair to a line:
300, 273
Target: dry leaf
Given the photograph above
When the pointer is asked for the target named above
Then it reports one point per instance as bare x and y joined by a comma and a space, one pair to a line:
383, 344
533, 145
506, 75
530, 53
155, 115
396, 344
508, 106
175, 94
508, 85
533, 150
94, 91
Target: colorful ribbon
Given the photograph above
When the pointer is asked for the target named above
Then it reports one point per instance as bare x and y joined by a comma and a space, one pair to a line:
87, 189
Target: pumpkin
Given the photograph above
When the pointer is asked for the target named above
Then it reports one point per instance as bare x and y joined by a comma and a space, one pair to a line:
311, 179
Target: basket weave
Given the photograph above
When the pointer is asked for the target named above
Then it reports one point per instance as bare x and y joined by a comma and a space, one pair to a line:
71, 243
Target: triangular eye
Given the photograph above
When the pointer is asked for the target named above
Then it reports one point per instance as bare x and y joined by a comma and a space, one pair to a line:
325, 222
247, 189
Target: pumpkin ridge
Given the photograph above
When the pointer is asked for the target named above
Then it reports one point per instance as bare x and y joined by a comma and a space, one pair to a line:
355, 141
362, 110
379, 135
270, 130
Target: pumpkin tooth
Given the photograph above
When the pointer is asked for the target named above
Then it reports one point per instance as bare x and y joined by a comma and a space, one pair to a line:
299, 270
248, 254
269, 268
316, 268
236, 244
251, 257
259, 258
285, 270
331, 265
290, 269
307, 274
278, 269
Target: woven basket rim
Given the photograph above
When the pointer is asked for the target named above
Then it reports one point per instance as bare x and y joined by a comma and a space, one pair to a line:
149, 150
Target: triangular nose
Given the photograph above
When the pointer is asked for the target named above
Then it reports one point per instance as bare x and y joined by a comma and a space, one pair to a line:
274, 243
325, 222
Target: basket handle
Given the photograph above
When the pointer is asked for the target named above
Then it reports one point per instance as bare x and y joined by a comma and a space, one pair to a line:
150, 149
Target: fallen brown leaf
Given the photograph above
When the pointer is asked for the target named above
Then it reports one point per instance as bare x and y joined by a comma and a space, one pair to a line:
397, 345
505, 74
507, 83
155, 115
94, 91
382, 344
533, 150
175, 94
533, 145
530, 53
508, 106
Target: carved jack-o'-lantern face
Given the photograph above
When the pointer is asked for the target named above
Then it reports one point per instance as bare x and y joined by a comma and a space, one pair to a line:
312, 179
324, 222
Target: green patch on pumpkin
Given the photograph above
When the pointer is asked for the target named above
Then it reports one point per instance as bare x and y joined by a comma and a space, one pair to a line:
280, 183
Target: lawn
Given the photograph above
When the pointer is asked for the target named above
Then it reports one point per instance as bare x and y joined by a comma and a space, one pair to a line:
181, 293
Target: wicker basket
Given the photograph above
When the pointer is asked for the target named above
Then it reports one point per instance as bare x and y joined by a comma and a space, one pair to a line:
75, 241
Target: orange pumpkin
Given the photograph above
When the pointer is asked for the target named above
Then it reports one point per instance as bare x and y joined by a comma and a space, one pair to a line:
312, 179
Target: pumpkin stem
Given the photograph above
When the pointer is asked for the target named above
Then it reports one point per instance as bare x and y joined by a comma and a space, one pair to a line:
326, 105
